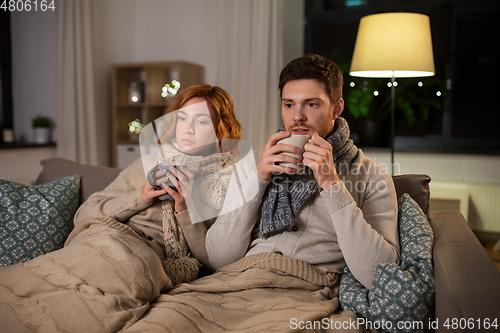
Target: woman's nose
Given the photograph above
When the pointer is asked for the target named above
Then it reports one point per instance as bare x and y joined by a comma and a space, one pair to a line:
189, 129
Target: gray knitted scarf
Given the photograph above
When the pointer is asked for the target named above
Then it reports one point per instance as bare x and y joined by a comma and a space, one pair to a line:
286, 193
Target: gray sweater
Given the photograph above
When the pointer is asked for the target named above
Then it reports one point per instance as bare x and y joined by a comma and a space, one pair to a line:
353, 222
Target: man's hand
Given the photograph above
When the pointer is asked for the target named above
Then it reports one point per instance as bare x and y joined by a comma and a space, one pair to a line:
272, 155
319, 157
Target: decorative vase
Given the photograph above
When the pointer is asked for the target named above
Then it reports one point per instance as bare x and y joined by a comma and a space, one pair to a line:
42, 135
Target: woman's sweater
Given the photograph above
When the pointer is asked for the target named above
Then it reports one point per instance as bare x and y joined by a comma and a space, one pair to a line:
353, 222
122, 200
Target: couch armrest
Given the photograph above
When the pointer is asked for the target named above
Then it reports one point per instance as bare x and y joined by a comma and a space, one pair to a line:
467, 281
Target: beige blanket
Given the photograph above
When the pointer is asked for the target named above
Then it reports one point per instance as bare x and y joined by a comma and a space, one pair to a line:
103, 280
260, 293
106, 279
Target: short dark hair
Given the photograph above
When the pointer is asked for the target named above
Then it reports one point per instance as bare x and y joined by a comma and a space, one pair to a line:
313, 66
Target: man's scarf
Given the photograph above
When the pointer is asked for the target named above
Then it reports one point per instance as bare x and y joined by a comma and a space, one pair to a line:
287, 192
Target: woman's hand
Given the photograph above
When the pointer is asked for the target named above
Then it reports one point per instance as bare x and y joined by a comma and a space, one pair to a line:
149, 193
183, 182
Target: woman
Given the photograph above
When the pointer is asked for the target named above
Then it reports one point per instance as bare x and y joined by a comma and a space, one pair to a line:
131, 199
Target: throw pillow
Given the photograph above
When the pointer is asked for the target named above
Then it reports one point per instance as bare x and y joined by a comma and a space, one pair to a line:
402, 298
35, 220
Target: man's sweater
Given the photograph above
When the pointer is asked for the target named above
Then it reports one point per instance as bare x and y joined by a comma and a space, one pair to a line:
353, 222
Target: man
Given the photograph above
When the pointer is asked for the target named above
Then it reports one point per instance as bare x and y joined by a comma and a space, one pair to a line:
284, 236
338, 208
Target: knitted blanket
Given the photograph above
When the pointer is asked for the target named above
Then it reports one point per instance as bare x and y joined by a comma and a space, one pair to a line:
265, 292
106, 279
103, 280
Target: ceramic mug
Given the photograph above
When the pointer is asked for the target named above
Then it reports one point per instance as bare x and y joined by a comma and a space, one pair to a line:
298, 141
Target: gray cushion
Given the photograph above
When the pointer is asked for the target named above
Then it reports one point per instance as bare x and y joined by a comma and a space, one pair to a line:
401, 293
94, 178
35, 220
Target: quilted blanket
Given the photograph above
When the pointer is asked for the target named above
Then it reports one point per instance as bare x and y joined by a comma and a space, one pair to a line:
106, 279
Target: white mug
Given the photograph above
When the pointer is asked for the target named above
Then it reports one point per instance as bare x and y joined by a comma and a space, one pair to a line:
298, 141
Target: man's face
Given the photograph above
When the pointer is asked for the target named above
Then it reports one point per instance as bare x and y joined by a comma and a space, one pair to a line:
306, 108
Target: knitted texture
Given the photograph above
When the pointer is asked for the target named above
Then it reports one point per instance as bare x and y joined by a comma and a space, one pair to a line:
175, 242
286, 193
215, 171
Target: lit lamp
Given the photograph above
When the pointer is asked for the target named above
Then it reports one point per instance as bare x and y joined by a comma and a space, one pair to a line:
392, 45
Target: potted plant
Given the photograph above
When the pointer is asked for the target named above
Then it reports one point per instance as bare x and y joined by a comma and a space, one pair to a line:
369, 99
42, 126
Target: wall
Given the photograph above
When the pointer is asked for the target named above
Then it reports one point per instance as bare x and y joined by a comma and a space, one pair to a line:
293, 30
473, 178
151, 30
23, 165
123, 31
34, 69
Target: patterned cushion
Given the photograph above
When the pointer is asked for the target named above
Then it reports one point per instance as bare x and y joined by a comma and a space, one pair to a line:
35, 220
404, 294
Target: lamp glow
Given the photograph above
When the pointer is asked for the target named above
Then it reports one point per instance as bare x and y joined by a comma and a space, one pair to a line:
398, 44
393, 45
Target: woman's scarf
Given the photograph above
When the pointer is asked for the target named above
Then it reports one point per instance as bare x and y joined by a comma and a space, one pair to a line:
216, 170
287, 192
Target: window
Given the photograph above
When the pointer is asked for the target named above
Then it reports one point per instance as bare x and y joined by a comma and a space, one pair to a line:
457, 113
5, 75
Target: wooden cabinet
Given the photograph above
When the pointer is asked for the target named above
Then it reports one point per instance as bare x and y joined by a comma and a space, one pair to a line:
136, 91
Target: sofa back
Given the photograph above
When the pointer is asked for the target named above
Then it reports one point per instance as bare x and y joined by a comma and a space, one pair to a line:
417, 186
95, 178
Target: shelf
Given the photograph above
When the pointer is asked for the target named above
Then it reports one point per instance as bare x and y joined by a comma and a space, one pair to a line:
16, 145
146, 79
130, 105
127, 142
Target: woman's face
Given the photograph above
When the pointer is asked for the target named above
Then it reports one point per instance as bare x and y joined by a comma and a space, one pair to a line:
195, 131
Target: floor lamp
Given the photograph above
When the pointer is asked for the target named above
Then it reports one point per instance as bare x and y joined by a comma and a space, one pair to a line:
393, 45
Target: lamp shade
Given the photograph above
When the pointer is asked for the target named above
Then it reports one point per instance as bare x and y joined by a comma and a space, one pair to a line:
393, 44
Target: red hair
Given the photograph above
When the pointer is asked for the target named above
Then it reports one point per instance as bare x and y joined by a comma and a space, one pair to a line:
226, 125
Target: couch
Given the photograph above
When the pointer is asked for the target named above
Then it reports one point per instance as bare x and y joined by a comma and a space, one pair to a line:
467, 282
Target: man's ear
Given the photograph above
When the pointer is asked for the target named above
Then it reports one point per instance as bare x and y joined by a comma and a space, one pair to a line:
338, 107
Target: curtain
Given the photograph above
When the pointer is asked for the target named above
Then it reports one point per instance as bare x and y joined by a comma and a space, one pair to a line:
249, 60
78, 123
